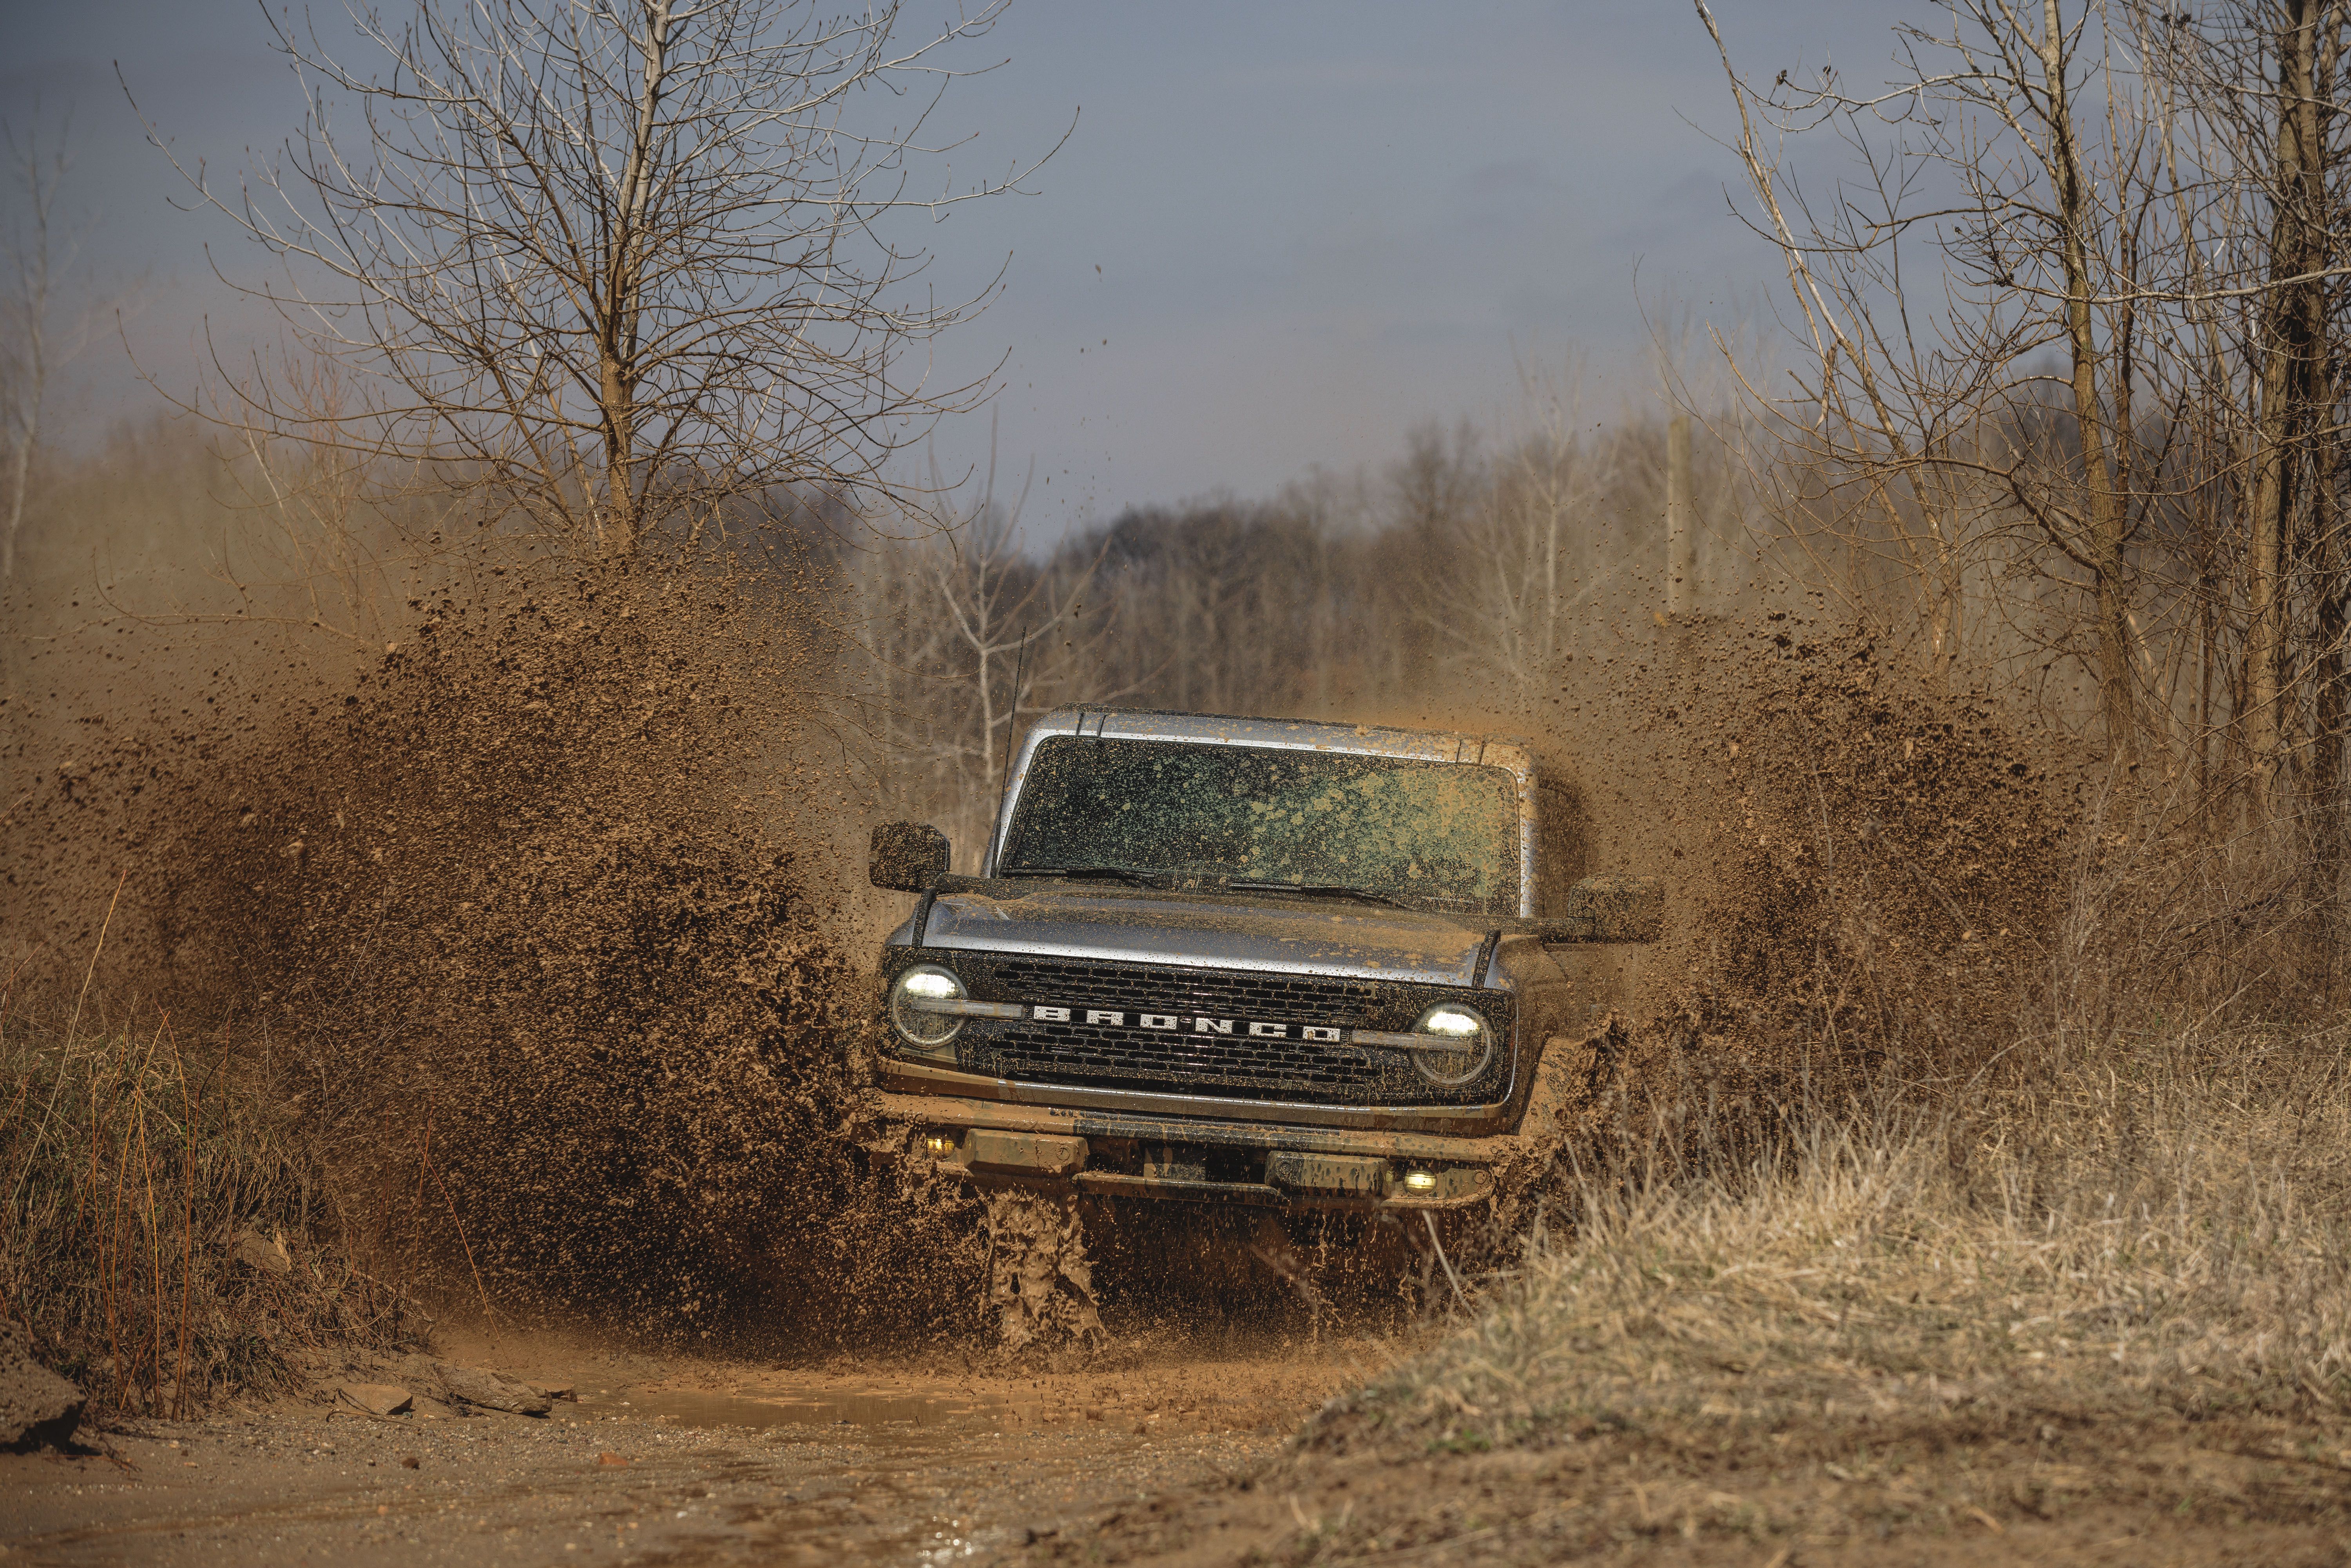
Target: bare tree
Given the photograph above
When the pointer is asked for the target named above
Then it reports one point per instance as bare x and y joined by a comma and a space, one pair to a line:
2256, 86
2161, 200
2014, 148
614, 266
962, 634
310, 550
37, 253
1522, 561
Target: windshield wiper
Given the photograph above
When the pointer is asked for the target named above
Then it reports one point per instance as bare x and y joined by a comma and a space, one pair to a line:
1313, 890
1125, 874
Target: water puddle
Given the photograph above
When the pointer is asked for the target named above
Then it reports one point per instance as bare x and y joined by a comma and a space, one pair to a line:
897, 1409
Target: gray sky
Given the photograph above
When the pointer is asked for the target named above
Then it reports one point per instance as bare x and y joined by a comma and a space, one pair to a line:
1317, 222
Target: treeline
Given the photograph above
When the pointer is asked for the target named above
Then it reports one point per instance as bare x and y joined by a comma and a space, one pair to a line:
1468, 565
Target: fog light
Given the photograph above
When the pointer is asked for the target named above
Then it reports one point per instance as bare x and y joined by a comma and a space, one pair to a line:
1420, 1181
938, 1146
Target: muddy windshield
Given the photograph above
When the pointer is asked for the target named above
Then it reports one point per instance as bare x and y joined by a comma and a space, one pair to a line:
1440, 835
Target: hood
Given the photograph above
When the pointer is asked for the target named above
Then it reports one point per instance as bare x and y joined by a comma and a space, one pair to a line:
1217, 929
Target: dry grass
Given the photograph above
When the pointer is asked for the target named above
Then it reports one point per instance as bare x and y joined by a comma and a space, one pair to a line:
2169, 1231
2104, 1318
2105, 1322
166, 1238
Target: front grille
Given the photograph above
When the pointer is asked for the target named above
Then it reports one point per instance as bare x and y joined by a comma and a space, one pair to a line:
1234, 1066
1083, 1054
1275, 998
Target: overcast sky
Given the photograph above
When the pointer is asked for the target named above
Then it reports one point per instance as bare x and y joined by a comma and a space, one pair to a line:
1300, 227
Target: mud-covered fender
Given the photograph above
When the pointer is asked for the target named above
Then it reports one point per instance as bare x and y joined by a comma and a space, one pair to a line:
1566, 1077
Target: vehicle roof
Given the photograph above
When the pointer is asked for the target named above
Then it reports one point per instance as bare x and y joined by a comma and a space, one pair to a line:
1311, 735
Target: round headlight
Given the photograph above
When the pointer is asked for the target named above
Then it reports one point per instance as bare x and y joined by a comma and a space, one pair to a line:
925, 983
1470, 1045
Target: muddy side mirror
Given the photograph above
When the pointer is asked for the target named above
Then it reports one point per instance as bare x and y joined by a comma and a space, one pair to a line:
1607, 909
907, 856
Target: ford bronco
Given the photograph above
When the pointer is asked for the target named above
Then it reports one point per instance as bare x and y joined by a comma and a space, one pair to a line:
1252, 961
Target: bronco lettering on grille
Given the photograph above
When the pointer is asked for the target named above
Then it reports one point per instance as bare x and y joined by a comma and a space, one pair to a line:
1201, 1023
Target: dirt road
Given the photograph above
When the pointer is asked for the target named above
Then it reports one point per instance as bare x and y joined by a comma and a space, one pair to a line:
1173, 1459
671, 1462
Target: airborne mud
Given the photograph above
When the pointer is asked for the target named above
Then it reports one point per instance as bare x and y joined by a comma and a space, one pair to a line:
1870, 868
516, 948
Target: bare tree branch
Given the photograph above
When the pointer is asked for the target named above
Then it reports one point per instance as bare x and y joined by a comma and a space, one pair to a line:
610, 265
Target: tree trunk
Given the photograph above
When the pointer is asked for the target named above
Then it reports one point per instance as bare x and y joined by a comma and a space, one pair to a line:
620, 529
2291, 318
1681, 526
2331, 660
624, 285
2331, 669
2109, 518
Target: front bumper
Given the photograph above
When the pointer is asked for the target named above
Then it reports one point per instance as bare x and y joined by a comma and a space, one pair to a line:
1206, 1157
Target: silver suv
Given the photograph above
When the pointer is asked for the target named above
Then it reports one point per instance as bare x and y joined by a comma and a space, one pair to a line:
1251, 961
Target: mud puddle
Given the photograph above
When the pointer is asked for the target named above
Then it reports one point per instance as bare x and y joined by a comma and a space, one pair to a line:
697, 1463
873, 1410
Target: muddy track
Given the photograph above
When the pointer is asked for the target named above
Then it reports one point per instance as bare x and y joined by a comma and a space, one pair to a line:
676, 1461
1170, 1460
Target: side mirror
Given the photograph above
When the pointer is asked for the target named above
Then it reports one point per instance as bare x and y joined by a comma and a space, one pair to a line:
907, 856
1607, 909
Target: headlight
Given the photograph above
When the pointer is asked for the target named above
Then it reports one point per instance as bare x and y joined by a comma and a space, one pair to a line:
921, 1024
1460, 1046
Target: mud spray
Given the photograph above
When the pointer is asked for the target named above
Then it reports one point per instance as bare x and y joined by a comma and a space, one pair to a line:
1864, 871
545, 960
525, 931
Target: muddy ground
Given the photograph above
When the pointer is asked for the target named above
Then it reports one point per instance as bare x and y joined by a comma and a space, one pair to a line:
2171, 1492
1173, 1456
662, 1459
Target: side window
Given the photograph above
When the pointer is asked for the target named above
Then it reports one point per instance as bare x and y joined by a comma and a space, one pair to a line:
1563, 846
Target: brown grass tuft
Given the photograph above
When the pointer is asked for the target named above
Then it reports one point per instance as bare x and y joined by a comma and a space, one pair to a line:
2167, 1234
168, 1238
